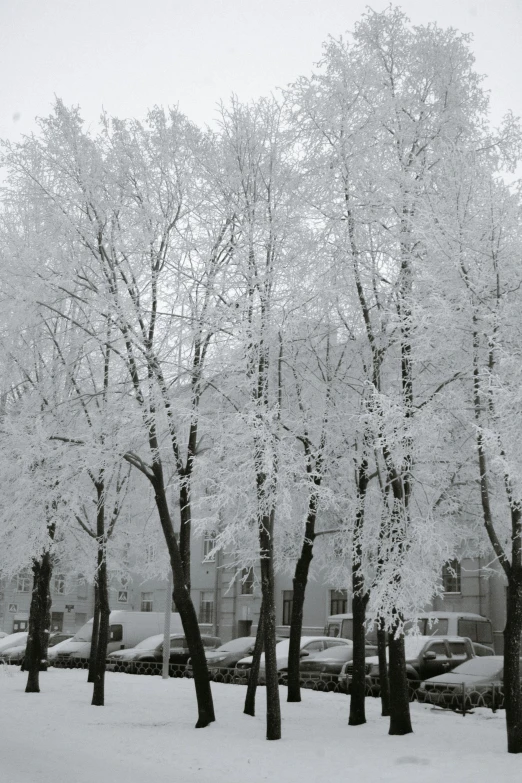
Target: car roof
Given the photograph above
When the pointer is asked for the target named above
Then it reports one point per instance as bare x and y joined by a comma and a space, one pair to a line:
448, 615
306, 639
439, 637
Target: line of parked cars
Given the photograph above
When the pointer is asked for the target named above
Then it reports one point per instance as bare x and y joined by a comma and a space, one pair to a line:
13, 646
442, 669
310, 647
150, 651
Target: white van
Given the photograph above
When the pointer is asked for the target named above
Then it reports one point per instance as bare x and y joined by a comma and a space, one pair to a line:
126, 629
474, 626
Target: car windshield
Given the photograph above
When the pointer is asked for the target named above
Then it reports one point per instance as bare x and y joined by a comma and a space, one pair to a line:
282, 647
341, 652
486, 666
413, 645
57, 640
84, 634
150, 642
426, 626
237, 645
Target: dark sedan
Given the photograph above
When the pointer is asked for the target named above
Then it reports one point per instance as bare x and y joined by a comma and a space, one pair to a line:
321, 670
147, 656
221, 662
16, 655
476, 683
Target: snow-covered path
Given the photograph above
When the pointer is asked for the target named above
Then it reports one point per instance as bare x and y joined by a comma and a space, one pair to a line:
145, 733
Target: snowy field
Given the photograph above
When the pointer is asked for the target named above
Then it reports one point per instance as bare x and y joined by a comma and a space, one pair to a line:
145, 734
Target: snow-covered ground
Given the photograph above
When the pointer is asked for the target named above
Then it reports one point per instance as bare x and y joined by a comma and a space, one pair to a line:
145, 734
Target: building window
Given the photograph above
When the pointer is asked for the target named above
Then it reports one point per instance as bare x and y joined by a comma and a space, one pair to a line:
57, 621
82, 587
80, 618
288, 600
59, 585
338, 601
247, 581
208, 545
147, 602
23, 582
451, 577
206, 607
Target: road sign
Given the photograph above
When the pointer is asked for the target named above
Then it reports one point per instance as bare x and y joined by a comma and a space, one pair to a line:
123, 596
13, 608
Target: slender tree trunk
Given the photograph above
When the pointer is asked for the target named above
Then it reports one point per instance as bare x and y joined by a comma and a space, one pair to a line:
400, 722
95, 632
360, 599
512, 689
513, 569
358, 685
98, 693
184, 605
35, 659
273, 708
296, 623
184, 531
384, 680
250, 698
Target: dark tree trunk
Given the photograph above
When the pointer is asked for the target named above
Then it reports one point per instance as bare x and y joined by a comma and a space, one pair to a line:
296, 623
184, 605
300, 582
273, 707
512, 689
359, 601
384, 680
98, 693
35, 659
400, 721
358, 685
513, 569
95, 632
250, 698
184, 532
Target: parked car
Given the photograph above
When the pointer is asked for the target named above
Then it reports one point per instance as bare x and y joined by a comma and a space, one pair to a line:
466, 624
15, 655
341, 625
426, 656
223, 659
475, 683
126, 629
151, 651
325, 666
309, 645
12, 640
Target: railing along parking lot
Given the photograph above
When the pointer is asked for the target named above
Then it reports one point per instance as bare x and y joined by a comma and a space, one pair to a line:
456, 697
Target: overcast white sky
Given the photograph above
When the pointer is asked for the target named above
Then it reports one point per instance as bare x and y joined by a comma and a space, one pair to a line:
128, 55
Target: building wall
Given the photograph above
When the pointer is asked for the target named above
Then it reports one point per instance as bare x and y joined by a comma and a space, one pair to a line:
236, 612
70, 608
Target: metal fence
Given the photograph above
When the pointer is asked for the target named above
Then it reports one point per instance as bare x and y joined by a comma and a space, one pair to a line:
458, 698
